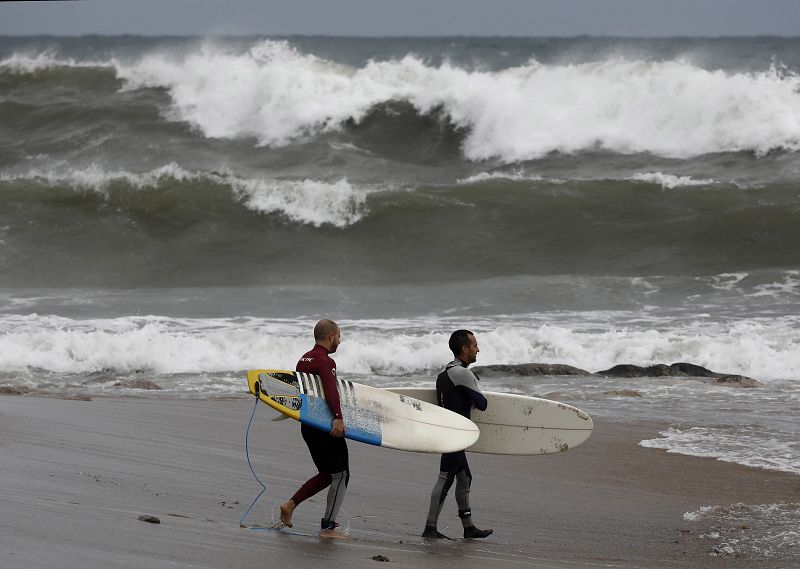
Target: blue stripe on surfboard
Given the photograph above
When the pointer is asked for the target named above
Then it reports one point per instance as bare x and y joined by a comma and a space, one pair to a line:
361, 426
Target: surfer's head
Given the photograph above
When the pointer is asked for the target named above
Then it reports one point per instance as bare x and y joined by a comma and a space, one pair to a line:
464, 346
327, 334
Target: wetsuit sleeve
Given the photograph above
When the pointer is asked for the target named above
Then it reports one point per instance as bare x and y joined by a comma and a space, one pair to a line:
466, 381
327, 373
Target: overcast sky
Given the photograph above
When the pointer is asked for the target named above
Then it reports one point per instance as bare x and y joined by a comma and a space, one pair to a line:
404, 17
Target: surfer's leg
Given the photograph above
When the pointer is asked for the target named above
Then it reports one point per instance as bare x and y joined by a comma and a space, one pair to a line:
316, 441
438, 495
286, 512
337, 462
448, 466
311, 486
463, 483
336, 494
308, 489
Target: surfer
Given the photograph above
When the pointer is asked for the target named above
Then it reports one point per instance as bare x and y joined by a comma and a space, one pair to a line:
457, 390
328, 450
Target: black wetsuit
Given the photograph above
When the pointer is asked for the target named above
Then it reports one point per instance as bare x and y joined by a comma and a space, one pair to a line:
457, 390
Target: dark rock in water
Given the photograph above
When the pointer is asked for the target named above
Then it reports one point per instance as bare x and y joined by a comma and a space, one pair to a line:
630, 370
661, 370
109, 375
678, 370
14, 390
531, 369
149, 519
738, 381
692, 370
380, 558
137, 384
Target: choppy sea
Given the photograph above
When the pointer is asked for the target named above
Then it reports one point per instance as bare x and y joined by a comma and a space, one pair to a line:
182, 209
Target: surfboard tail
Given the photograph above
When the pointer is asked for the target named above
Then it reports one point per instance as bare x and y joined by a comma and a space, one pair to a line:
277, 388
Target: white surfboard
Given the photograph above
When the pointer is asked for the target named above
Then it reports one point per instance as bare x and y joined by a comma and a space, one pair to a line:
373, 416
518, 424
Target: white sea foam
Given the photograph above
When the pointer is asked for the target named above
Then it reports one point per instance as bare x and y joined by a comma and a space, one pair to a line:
670, 181
125, 345
21, 63
765, 531
767, 351
276, 94
673, 108
313, 202
789, 286
775, 451
307, 201
698, 514
726, 281
667, 181
206, 356
515, 176
98, 179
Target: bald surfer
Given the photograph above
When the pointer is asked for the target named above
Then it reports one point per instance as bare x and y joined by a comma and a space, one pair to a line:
328, 449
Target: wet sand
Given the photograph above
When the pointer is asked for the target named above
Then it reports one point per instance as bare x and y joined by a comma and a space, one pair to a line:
76, 475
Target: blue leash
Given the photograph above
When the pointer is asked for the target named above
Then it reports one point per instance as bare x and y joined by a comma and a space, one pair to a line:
264, 488
250, 464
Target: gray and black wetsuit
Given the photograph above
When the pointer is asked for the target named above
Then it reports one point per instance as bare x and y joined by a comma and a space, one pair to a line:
457, 390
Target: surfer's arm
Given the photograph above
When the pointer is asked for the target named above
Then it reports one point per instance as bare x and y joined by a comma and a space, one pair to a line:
478, 399
465, 380
328, 377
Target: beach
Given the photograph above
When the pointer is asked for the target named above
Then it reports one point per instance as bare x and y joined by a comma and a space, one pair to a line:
76, 475
177, 210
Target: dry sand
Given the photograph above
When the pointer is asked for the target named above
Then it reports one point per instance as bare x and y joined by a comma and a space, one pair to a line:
76, 475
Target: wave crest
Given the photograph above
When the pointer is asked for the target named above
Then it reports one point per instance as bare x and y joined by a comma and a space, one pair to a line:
312, 202
276, 95
191, 345
24, 64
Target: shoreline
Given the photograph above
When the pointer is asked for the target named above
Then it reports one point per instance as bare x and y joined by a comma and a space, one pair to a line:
76, 475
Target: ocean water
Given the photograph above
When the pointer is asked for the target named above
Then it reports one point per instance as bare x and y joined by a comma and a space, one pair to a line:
182, 209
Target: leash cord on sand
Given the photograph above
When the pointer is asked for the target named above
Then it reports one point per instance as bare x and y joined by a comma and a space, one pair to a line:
250, 464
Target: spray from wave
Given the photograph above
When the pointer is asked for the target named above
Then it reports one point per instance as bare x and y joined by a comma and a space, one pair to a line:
276, 95
388, 347
670, 181
310, 202
25, 64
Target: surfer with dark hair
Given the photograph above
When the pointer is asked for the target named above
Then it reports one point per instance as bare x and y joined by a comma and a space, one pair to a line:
457, 390
328, 450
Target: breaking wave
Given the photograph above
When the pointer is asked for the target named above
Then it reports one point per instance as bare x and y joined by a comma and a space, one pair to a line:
276, 94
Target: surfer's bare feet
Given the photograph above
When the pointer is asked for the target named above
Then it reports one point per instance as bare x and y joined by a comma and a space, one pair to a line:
286, 513
332, 534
